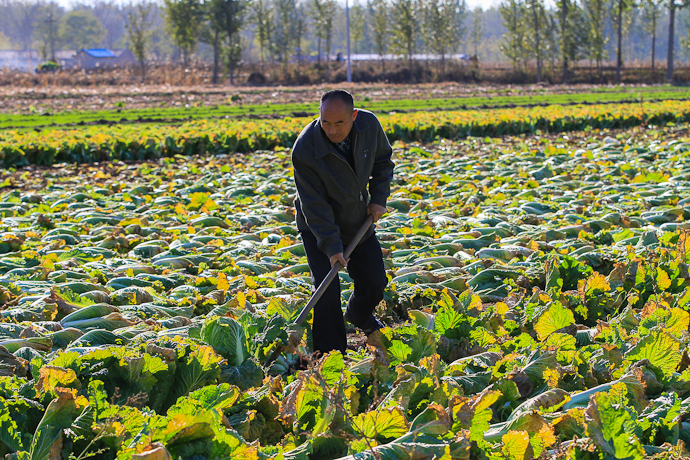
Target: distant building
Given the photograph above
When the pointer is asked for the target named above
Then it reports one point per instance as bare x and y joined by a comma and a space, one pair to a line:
27, 61
125, 57
64, 58
100, 57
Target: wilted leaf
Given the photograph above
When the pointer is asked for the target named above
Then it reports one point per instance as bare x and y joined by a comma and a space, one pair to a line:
516, 445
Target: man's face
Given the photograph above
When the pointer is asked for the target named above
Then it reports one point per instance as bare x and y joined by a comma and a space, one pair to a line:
336, 119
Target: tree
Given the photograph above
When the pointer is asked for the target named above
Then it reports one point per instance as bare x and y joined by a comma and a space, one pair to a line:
405, 28
535, 18
81, 29
379, 9
596, 10
564, 36
513, 16
317, 9
651, 11
477, 31
161, 46
328, 9
299, 29
573, 33
551, 48
442, 26
212, 34
139, 32
262, 17
228, 16
673, 5
234, 54
46, 28
620, 7
183, 19
284, 30
321, 15
357, 23
112, 16
24, 23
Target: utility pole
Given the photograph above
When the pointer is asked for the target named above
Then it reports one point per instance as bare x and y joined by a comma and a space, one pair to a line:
50, 22
347, 17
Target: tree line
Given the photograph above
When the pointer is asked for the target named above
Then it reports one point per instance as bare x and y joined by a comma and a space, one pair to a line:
286, 33
586, 30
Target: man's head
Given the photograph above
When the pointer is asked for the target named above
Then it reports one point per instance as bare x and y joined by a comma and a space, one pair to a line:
338, 112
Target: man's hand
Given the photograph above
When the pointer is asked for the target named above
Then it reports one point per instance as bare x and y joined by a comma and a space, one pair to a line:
335, 258
376, 211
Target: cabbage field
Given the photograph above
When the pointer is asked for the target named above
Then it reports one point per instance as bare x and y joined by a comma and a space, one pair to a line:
538, 307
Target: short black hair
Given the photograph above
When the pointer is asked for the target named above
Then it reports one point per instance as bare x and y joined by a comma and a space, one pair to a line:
339, 94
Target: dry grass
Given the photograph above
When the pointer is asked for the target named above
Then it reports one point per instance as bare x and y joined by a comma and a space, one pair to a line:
311, 74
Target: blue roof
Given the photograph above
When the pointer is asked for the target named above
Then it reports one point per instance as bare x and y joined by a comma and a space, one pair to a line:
99, 52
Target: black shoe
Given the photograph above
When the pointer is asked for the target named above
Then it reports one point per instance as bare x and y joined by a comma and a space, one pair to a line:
374, 325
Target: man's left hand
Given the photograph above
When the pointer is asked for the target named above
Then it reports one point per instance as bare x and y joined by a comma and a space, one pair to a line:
376, 211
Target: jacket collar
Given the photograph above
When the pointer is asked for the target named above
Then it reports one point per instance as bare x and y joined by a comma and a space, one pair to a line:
323, 146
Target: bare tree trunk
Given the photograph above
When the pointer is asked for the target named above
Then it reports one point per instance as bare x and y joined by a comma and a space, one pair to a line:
671, 21
318, 46
426, 63
601, 71
328, 63
298, 67
536, 39
564, 15
653, 45
409, 58
619, 52
443, 67
214, 79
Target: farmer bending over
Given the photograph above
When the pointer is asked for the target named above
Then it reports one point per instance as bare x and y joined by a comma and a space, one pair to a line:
343, 170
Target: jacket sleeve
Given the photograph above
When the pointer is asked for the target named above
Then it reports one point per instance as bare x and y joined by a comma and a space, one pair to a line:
316, 209
382, 173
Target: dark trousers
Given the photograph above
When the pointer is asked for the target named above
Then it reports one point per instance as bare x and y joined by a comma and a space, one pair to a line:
369, 275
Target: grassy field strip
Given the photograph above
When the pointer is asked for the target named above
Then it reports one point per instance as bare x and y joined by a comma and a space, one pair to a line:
176, 115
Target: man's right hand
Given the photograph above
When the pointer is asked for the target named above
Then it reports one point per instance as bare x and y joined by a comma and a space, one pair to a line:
335, 258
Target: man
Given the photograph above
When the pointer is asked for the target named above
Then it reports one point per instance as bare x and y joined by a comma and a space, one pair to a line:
343, 169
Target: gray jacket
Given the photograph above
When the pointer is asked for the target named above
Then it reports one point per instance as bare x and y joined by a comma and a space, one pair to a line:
332, 199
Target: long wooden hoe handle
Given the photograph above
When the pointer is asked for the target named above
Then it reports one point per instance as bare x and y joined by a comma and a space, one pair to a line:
334, 272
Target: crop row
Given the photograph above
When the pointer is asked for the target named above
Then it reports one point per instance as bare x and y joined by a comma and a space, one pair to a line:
141, 142
191, 111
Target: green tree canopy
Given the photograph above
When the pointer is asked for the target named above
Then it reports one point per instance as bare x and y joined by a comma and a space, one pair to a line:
81, 29
183, 19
